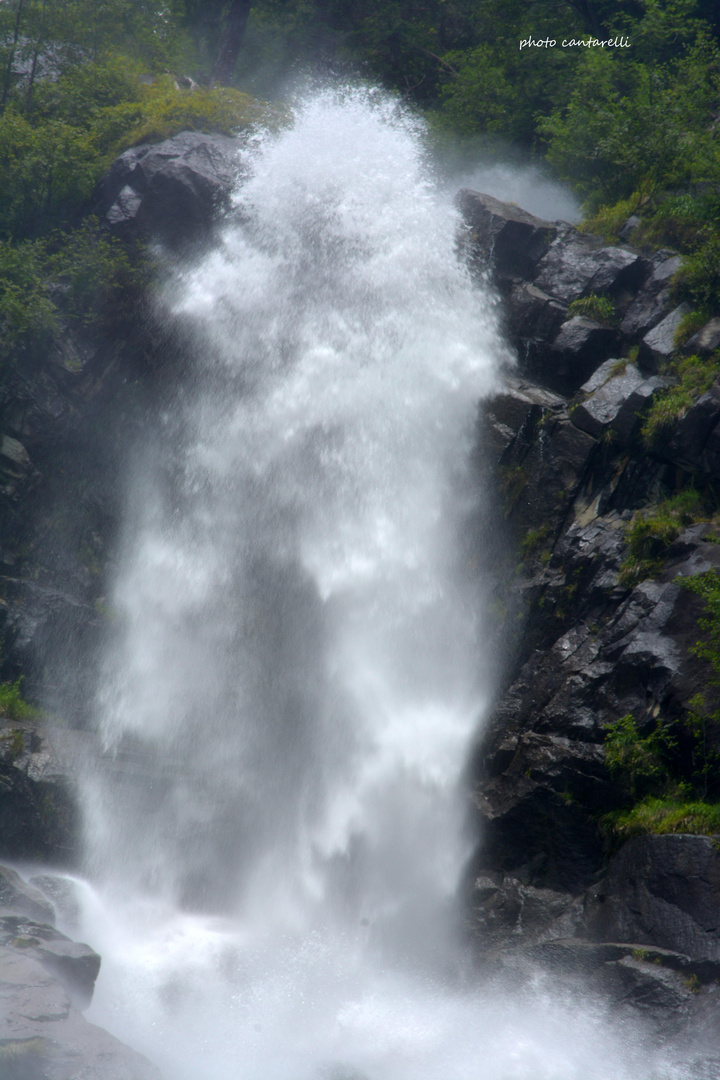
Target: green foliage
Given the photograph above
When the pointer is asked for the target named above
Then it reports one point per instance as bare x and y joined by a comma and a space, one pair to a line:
608, 220
631, 130
533, 539
81, 276
656, 815
639, 761
651, 532
699, 280
28, 317
162, 110
695, 376
13, 705
600, 308
689, 325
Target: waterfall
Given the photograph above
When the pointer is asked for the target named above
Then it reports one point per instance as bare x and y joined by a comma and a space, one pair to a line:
300, 659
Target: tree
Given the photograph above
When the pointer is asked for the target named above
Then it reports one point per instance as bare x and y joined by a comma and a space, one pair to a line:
231, 40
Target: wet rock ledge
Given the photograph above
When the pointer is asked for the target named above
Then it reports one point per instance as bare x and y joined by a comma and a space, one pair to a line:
593, 643
46, 979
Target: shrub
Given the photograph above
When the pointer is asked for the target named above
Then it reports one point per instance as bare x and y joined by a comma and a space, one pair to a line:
695, 376
651, 532
13, 705
639, 761
599, 308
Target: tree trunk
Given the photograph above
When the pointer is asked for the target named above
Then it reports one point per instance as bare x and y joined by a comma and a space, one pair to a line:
230, 42
36, 54
11, 58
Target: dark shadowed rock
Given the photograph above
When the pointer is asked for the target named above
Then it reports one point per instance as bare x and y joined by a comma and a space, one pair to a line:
663, 890
533, 315
654, 298
580, 346
504, 909
691, 435
38, 815
505, 237
173, 190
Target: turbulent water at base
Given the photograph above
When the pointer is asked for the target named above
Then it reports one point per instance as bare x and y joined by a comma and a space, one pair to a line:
300, 661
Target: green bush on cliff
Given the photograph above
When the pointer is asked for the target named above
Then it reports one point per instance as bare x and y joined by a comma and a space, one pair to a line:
13, 705
663, 815
651, 532
600, 308
695, 376
671, 776
81, 276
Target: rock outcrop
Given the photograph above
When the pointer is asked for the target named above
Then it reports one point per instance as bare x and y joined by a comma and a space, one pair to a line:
170, 191
45, 980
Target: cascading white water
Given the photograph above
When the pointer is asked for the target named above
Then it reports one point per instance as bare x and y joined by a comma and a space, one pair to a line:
299, 661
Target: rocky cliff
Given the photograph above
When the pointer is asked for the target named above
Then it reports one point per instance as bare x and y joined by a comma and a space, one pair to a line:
605, 635
600, 631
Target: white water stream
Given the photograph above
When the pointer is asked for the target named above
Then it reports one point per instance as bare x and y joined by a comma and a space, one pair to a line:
300, 659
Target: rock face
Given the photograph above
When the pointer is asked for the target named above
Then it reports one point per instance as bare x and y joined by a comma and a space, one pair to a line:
561, 441
45, 979
38, 817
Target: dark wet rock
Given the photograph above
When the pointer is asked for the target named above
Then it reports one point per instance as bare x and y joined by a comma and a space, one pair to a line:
580, 346
530, 314
692, 433
506, 238
38, 814
658, 345
527, 433
507, 910
576, 266
706, 340
171, 190
654, 299
663, 890
616, 405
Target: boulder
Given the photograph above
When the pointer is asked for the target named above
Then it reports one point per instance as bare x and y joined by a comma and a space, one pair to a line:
75, 965
687, 444
504, 237
576, 266
530, 314
654, 299
579, 347
658, 344
171, 191
615, 405
505, 910
18, 898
